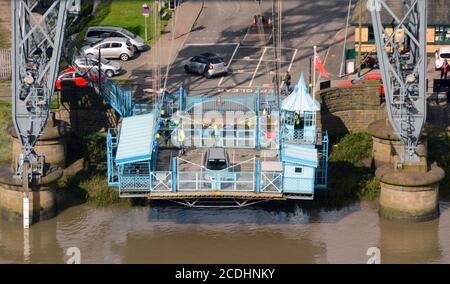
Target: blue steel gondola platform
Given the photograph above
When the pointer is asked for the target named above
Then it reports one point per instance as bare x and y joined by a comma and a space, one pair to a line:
275, 149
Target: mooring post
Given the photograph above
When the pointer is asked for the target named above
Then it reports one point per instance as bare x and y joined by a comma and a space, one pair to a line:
258, 176
174, 174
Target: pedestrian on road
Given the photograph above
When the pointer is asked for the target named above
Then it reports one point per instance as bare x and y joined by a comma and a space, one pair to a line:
444, 69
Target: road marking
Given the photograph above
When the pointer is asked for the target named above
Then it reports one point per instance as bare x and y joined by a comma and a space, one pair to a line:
265, 60
292, 60
229, 63
211, 43
257, 66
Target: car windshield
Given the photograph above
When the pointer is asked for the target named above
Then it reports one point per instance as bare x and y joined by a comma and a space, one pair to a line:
94, 43
216, 60
104, 61
128, 34
445, 55
216, 165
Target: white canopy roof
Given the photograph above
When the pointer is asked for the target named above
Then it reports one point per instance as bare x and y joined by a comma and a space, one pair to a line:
300, 100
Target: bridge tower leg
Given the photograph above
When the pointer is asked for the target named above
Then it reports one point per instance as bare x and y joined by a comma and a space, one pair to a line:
409, 185
37, 42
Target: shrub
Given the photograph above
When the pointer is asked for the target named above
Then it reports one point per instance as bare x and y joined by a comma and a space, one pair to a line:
438, 151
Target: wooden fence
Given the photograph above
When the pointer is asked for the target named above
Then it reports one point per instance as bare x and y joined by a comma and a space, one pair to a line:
5, 64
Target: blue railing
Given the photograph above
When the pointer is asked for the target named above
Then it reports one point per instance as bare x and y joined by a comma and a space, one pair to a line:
321, 181
112, 140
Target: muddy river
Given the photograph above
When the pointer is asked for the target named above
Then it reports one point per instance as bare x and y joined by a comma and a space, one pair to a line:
166, 233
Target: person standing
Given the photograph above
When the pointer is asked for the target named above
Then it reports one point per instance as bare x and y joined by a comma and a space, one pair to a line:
287, 82
444, 69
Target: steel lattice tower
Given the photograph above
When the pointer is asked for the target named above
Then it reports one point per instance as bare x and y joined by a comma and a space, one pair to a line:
37, 37
402, 57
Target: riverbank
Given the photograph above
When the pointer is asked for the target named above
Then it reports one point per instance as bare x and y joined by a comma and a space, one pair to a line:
350, 174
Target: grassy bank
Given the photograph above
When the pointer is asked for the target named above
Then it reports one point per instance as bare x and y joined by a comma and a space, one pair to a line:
350, 176
126, 14
5, 138
90, 184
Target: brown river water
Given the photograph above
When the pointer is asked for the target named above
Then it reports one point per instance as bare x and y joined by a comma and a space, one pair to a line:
166, 233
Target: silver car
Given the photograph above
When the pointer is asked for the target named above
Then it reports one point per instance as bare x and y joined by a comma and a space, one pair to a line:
206, 64
217, 168
94, 34
111, 68
113, 47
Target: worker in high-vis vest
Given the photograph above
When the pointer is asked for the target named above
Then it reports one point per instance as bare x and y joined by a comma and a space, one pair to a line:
181, 137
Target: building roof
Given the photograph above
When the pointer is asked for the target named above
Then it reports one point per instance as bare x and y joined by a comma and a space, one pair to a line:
300, 154
136, 140
300, 100
438, 12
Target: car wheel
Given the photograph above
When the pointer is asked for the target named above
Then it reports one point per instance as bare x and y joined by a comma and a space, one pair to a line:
187, 69
135, 49
206, 74
124, 57
109, 73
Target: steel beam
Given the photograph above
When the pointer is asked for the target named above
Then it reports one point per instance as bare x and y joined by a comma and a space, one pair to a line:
402, 57
37, 37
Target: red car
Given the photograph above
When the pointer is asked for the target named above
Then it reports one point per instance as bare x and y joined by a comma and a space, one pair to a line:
71, 74
361, 80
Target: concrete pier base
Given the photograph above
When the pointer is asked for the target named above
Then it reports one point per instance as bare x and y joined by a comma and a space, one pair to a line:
409, 191
387, 147
42, 195
52, 142
409, 195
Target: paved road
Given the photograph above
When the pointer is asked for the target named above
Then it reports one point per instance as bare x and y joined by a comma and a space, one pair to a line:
223, 28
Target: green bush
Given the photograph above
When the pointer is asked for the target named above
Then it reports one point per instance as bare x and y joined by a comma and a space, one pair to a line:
438, 151
349, 180
94, 150
352, 148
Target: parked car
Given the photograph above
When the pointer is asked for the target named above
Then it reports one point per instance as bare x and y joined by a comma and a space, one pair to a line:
361, 80
114, 47
217, 166
95, 34
442, 54
110, 68
72, 75
206, 64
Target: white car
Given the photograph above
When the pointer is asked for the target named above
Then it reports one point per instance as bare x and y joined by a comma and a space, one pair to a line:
442, 54
113, 47
111, 68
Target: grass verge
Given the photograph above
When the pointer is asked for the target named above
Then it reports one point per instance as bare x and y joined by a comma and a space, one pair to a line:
5, 138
